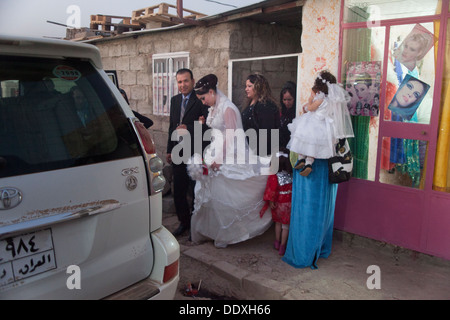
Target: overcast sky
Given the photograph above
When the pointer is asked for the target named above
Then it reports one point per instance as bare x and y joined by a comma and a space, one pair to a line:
29, 17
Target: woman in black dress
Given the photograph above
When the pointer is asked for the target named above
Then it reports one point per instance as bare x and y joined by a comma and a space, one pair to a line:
261, 113
288, 111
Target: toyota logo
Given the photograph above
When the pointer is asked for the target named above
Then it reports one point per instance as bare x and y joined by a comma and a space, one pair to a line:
10, 198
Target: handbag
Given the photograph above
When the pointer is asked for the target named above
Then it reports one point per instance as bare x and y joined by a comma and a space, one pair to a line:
341, 165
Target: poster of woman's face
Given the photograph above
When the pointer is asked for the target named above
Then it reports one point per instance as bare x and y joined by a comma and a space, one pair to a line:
408, 97
363, 86
415, 46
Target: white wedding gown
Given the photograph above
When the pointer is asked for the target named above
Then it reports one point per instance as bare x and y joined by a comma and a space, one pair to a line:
228, 201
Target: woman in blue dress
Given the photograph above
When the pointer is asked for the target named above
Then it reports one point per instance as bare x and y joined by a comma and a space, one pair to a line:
313, 196
312, 216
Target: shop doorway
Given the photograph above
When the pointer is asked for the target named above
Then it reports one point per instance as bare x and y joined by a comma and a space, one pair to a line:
393, 69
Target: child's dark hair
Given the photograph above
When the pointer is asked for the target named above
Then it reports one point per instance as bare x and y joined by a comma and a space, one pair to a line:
320, 84
284, 162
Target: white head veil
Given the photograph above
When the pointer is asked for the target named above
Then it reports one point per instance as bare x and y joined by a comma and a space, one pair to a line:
337, 100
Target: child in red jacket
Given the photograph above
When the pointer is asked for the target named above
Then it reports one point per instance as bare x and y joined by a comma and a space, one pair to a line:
278, 197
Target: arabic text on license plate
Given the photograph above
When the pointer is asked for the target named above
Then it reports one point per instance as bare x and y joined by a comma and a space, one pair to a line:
26, 255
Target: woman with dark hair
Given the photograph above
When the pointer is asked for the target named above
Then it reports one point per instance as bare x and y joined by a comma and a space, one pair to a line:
288, 96
408, 97
261, 113
229, 185
362, 85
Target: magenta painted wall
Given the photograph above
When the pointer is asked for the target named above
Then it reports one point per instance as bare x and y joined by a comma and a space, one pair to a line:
395, 215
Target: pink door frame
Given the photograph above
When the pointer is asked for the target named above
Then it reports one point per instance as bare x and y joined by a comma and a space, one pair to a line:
410, 218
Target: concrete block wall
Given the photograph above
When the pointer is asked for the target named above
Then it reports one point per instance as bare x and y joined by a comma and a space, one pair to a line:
210, 49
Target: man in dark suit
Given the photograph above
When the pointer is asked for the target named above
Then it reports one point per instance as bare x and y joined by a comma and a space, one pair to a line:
185, 109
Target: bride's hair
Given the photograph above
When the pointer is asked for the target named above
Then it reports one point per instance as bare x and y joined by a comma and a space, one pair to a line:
205, 84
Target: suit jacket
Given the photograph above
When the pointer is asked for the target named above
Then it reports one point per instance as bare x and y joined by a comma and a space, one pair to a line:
194, 109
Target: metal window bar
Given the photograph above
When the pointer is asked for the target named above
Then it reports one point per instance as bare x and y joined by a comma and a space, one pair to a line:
164, 80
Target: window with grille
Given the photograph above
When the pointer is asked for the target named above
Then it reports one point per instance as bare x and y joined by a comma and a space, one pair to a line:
165, 67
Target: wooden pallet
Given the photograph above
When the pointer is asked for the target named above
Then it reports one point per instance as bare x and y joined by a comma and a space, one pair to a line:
160, 13
106, 23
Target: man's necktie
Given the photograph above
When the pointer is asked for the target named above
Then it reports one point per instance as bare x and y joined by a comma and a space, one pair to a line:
183, 108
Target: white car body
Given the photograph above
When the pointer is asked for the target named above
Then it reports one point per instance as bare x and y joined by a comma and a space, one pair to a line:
80, 206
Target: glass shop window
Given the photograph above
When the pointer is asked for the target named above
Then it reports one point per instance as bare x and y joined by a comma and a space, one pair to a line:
362, 70
390, 74
409, 99
411, 70
373, 10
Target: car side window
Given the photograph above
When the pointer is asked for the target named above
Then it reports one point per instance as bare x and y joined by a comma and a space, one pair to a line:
58, 113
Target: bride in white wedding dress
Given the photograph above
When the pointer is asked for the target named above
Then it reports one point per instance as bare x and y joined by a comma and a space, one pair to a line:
229, 192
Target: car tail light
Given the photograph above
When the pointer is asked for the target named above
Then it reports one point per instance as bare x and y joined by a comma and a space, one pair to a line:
170, 271
146, 138
154, 163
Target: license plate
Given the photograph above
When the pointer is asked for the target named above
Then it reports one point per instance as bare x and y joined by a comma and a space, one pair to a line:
26, 255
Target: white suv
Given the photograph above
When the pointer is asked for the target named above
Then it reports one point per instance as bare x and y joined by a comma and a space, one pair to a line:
80, 182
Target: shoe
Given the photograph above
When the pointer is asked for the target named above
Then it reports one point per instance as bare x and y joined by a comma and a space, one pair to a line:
299, 164
276, 245
180, 230
306, 170
282, 250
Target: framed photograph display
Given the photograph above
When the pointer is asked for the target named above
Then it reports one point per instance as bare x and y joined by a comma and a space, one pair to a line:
408, 97
363, 86
414, 47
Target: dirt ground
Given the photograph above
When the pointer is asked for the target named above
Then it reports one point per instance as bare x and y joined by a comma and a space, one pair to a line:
195, 273
405, 274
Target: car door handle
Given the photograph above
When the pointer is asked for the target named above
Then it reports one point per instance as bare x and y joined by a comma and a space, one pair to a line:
45, 222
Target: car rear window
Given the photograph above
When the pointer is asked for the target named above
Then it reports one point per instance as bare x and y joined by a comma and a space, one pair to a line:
58, 113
